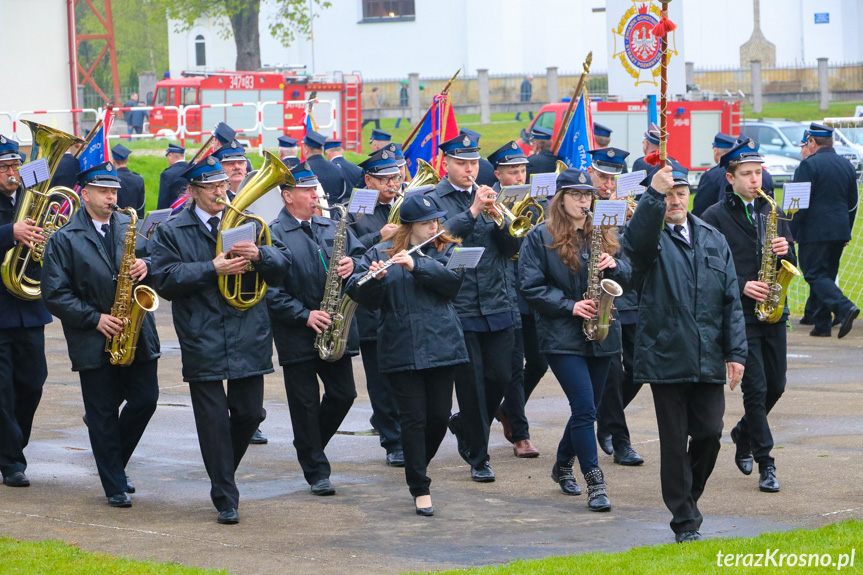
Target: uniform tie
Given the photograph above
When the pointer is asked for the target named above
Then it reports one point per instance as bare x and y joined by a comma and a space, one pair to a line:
679, 230
750, 213
214, 226
106, 241
307, 228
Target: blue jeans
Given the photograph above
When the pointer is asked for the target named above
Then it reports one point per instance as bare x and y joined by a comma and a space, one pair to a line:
582, 380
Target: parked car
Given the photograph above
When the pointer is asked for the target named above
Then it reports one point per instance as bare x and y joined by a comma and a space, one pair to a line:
782, 137
781, 168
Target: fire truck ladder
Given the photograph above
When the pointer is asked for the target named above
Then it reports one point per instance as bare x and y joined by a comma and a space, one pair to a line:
352, 112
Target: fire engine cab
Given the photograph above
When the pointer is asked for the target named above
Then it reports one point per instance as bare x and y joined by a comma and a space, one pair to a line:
232, 97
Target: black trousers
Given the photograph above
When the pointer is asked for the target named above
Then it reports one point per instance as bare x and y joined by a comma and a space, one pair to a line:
226, 422
424, 399
22, 374
528, 368
619, 392
687, 412
763, 384
114, 432
480, 385
385, 414
820, 261
314, 419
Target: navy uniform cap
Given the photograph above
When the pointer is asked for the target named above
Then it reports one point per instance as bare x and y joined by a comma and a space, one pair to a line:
175, 149
314, 139
462, 147
330, 144
507, 155
399, 154
419, 208
380, 135
574, 179
540, 133
608, 160
207, 171
233, 152
103, 175
805, 139
680, 175
291, 162
721, 140
224, 133
381, 163
602, 131
652, 134
120, 152
304, 176
744, 152
472, 133
817, 130
287, 142
8, 149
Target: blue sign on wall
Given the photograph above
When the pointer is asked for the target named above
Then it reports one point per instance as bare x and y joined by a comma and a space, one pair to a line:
822, 17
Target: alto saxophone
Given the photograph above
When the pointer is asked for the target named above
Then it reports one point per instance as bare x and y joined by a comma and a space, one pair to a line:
601, 291
770, 310
131, 303
331, 342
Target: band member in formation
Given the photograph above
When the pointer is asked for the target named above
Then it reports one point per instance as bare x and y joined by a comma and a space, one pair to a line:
66, 174
132, 193
217, 341
172, 185
746, 219
352, 173
401, 163
554, 276
415, 298
712, 183
602, 138
294, 307
509, 170
330, 176
485, 173
288, 147
543, 160
381, 175
483, 307
83, 265
23, 369
824, 229
649, 144
612, 433
379, 139
692, 335
809, 311
232, 158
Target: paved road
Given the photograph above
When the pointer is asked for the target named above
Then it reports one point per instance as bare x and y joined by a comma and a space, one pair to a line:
370, 526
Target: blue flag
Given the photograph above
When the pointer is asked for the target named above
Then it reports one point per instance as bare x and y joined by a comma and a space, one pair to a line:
422, 147
578, 138
96, 151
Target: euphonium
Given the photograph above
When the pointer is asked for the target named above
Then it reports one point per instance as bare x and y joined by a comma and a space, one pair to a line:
770, 310
425, 176
520, 209
273, 173
131, 303
601, 291
331, 342
44, 207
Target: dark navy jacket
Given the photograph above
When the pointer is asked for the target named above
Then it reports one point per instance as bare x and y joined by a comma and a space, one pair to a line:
367, 229
170, 184
711, 188
419, 328
352, 173
833, 202
331, 177
131, 193
66, 173
485, 176
541, 163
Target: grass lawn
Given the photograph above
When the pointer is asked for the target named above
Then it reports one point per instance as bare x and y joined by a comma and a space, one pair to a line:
802, 111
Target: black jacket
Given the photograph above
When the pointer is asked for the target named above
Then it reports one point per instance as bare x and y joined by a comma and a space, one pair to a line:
541, 163
16, 312
552, 290
833, 201
352, 173
367, 229
419, 328
711, 184
483, 292
485, 175
171, 184
331, 178
746, 241
301, 290
689, 317
131, 193
79, 284
217, 341
66, 173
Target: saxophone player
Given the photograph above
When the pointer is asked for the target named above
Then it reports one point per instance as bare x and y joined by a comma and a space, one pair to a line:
294, 307
742, 218
217, 341
22, 332
82, 263
554, 279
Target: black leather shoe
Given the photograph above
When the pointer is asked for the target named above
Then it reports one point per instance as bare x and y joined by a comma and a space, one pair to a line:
563, 476
424, 511
323, 487
604, 441
688, 537
130, 487
805, 320
742, 457
258, 438
627, 456
597, 497
816, 333
482, 474
17, 479
768, 482
396, 458
228, 517
455, 427
848, 320
120, 500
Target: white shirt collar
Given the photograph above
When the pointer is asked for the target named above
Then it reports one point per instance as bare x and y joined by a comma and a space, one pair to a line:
98, 226
685, 231
205, 217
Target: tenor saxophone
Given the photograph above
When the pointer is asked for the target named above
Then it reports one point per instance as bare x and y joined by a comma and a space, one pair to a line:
777, 280
601, 291
131, 302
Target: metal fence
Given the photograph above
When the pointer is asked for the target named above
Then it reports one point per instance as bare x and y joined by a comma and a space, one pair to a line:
791, 79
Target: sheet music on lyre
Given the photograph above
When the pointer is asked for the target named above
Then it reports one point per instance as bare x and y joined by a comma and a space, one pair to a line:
512, 194
34, 173
363, 201
151, 221
629, 185
464, 258
795, 196
609, 213
543, 185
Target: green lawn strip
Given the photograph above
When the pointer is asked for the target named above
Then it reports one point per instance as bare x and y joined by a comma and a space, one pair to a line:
701, 558
56, 557
801, 111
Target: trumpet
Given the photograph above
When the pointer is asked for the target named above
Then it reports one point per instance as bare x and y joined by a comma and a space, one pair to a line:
501, 215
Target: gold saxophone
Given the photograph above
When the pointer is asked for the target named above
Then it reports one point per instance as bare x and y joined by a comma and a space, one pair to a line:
131, 302
425, 176
770, 310
601, 291
331, 342
44, 208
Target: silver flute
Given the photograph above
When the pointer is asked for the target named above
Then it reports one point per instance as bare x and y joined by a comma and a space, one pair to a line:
389, 263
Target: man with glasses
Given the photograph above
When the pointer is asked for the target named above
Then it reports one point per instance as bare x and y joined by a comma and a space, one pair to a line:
217, 342
23, 369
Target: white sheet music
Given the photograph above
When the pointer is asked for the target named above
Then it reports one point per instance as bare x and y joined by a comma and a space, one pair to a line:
244, 233
609, 213
152, 221
363, 201
512, 194
464, 258
35, 173
543, 185
795, 196
629, 185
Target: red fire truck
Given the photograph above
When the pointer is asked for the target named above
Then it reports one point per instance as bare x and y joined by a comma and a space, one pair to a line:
233, 98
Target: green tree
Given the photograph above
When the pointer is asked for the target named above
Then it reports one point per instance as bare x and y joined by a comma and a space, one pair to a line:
240, 18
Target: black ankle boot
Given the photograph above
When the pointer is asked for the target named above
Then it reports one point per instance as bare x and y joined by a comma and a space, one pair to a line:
597, 498
562, 474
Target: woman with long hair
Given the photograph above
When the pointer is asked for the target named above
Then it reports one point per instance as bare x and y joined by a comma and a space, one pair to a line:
553, 270
420, 340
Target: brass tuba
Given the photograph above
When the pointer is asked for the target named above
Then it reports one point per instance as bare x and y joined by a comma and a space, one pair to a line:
425, 176
273, 173
770, 310
44, 207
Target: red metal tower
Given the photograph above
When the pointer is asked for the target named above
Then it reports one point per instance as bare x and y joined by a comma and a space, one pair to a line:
110, 48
